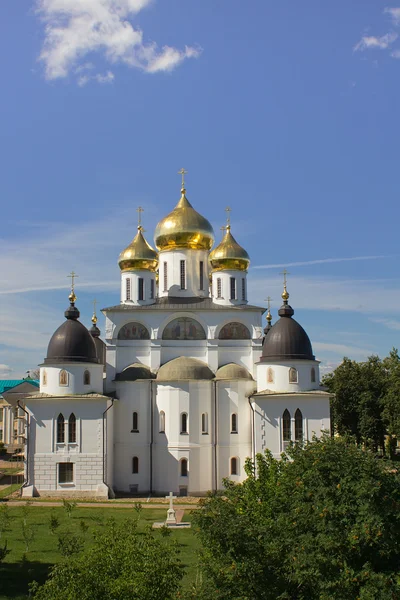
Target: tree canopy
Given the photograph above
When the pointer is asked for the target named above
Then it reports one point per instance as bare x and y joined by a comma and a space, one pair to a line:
322, 523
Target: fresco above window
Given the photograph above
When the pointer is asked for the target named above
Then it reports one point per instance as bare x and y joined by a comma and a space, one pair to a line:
184, 328
234, 331
133, 331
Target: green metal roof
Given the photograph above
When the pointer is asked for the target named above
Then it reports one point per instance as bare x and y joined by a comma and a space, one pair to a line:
8, 384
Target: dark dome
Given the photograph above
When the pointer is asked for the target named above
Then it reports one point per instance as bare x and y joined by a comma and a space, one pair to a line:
134, 372
286, 340
71, 342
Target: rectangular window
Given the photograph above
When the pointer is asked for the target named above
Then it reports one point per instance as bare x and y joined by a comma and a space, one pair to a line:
151, 289
1, 415
141, 289
201, 275
183, 275
128, 289
219, 288
204, 423
243, 289
165, 277
233, 288
65, 472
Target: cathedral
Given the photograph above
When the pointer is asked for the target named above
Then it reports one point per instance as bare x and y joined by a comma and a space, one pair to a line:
188, 384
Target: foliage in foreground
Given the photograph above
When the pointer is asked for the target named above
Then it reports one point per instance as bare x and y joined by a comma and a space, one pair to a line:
323, 524
123, 564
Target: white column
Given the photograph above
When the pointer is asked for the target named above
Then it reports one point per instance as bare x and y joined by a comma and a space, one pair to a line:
229, 287
138, 287
184, 273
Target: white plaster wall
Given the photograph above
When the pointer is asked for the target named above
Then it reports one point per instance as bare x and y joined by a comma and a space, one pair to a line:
86, 454
75, 378
173, 259
134, 277
225, 277
281, 376
268, 418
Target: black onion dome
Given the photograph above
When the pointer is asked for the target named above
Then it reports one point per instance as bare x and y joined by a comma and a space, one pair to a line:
71, 342
287, 340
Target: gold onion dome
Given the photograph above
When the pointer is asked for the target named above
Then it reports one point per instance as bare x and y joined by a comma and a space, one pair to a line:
229, 254
184, 227
139, 255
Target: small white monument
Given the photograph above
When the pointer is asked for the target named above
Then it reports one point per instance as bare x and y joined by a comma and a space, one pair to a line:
171, 515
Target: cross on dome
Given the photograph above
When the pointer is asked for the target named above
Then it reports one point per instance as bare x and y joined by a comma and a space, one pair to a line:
72, 296
139, 211
183, 173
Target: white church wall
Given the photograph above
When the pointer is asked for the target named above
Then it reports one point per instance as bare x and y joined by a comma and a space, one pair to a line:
192, 258
132, 352
74, 382
225, 287
280, 375
130, 291
268, 418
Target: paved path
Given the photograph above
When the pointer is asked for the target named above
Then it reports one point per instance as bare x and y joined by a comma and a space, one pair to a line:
179, 514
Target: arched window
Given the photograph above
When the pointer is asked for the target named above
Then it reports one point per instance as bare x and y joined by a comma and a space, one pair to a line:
204, 423
293, 376
184, 328
135, 423
219, 287
234, 423
72, 429
86, 378
313, 377
135, 465
286, 429
162, 422
133, 331
184, 423
298, 425
234, 331
270, 375
44, 377
184, 467
60, 429
63, 377
234, 466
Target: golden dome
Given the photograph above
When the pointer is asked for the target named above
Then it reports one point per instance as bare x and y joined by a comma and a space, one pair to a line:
138, 255
184, 227
229, 254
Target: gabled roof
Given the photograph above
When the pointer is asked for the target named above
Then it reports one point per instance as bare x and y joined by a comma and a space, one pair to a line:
8, 384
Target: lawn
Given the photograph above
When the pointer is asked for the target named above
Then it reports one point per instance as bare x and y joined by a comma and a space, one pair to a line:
22, 566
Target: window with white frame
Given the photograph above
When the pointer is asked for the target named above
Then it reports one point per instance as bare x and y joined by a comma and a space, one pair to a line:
60, 429
66, 472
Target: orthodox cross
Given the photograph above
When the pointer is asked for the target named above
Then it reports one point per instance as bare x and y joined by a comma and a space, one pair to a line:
268, 299
183, 173
228, 211
72, 275
139, 211
284, 273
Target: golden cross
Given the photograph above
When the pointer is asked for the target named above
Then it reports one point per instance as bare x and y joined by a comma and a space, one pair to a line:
268, 299
284, 273
183, 173
228, 211
139, 211
72, 275
94, 306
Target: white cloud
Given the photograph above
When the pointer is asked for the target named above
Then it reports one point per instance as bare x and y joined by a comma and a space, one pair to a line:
319, 261
389, 323
372, 42
75, 29
394, 13
4, 370
106, 78
395, 54
341, 350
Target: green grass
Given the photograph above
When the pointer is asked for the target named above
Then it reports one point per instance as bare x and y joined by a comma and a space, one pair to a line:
21, 567
9, 490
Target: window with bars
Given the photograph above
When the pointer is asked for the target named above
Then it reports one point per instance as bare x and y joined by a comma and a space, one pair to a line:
165, 268
201, 273
233, 288
219, 287
65, 472
151, 289
135, 423
243, 289
60, 429
72, 429
298, 425
140, 288
183, 275
128, 289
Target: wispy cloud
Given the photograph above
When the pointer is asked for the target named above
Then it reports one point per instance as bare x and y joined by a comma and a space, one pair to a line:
106, 78
5, 370
318, 261
75, 29
341, 350
394, 13
379, 43
389, 323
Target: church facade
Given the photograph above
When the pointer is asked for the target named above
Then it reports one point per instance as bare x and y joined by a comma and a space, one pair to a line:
189, 384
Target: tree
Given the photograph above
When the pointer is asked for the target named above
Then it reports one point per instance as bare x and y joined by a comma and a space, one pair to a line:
320, 524
123, 564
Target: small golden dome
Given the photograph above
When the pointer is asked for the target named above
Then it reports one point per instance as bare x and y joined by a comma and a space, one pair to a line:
184, 227
139, 255
229, 254
285, 294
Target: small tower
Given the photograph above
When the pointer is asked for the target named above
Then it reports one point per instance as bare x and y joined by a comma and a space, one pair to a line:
229, 263
184, 238
95, 333
268, 318
71, 366
138, 264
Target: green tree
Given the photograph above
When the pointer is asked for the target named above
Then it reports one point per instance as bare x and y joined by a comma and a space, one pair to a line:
123, 564
320, 524
391, 400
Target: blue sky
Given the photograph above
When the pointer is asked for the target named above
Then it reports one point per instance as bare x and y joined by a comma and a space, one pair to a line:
285, 111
